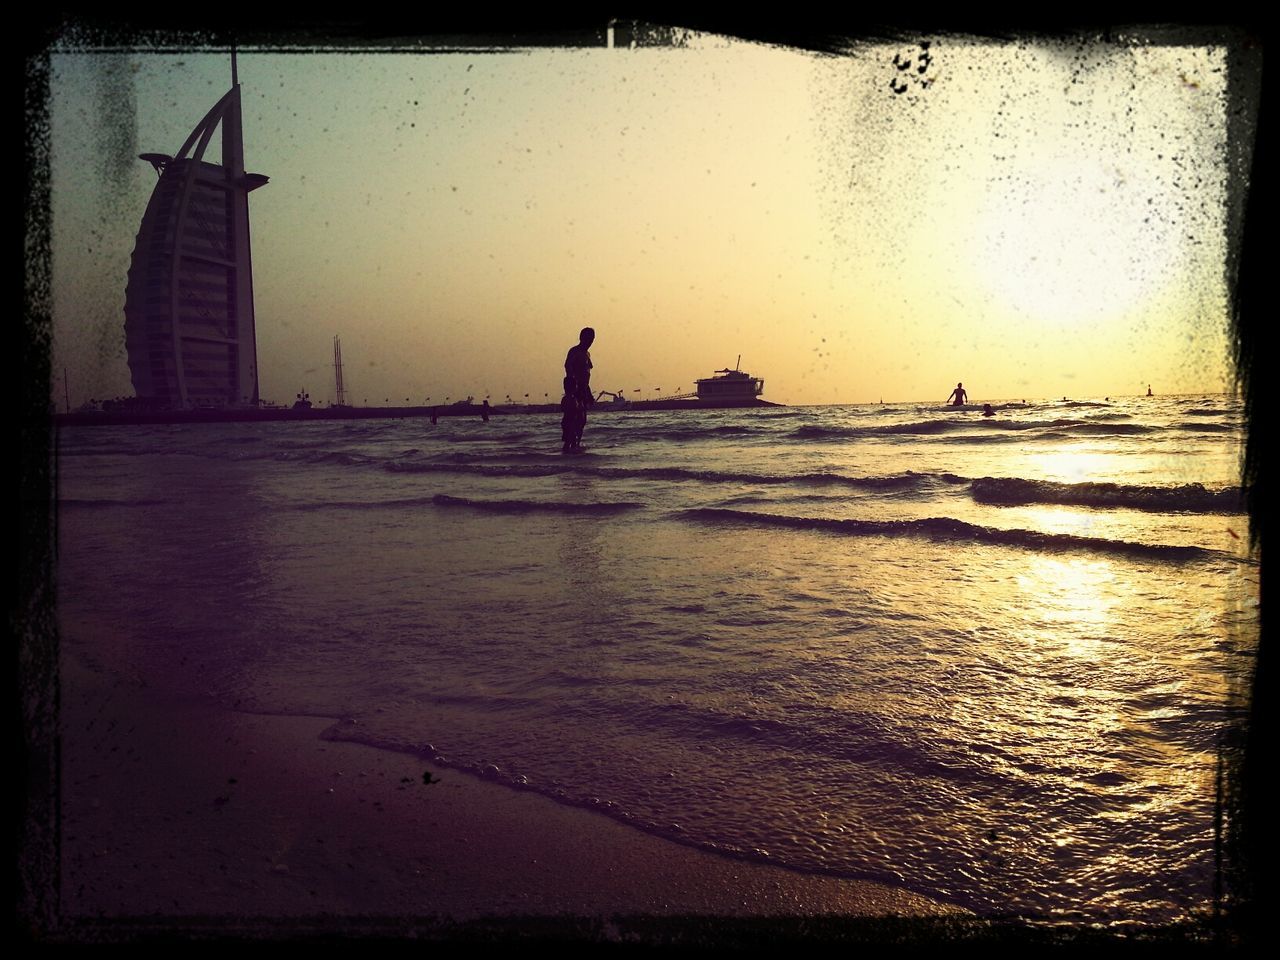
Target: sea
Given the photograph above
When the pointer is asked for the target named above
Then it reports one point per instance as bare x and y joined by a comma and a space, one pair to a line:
987, 659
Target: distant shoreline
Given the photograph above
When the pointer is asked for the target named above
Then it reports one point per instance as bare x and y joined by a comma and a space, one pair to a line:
232, 415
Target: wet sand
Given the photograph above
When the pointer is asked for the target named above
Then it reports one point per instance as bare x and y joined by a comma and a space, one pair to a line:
180, 815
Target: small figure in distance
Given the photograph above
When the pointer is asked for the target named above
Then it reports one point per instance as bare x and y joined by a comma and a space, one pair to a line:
484, 410
960, 394
987, 410
433, 416
1148, 389
575, 417
577, 367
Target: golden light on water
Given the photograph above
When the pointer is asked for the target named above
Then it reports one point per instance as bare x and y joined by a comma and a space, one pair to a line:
1069, 464
1071, 591
1058, 520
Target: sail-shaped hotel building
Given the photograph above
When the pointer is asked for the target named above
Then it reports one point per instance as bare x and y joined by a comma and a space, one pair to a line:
189, 323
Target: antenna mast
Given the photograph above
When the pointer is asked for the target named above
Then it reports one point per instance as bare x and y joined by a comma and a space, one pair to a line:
337, 373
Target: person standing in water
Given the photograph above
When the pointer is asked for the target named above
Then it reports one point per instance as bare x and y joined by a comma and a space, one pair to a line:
575, 415
961, 396
577, 366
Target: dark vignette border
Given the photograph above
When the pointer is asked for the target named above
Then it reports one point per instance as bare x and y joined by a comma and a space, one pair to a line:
1247, 827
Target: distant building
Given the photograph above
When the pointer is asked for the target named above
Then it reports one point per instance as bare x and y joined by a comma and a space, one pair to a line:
189, 324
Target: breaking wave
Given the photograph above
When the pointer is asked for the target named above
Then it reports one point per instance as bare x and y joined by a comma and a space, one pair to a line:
1189, 497
947, 529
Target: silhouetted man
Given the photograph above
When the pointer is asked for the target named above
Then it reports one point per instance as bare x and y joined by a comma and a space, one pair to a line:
960, 394
577, 365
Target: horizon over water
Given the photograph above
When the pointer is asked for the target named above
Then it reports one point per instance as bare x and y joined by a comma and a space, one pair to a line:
986, 659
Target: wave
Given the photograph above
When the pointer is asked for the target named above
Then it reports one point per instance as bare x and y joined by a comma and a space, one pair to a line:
898, 481
482, 469
500, 458
996, 438
1205, 427
395, 504
894, 481
921, 427
534, 506
93, 502
992, 429
947, 529
1189, 497
1114, 429
325, 456
301, 453
865, 745
681, 434
470, 438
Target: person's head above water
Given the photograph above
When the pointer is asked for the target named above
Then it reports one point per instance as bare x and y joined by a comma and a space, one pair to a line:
586, 336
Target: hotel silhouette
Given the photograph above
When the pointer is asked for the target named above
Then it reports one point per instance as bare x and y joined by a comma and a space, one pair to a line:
189, 325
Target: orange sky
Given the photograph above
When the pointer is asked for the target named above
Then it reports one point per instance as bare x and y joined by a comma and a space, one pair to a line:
1034, 219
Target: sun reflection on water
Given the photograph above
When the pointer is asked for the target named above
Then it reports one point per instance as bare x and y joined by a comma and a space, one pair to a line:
1075, 463
1070, 591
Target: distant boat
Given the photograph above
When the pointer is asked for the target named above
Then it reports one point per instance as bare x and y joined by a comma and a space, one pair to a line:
730, 386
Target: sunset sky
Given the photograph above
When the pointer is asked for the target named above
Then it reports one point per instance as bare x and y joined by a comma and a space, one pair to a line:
1036, 219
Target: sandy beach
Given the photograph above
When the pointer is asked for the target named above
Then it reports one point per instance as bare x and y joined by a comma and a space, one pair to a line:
180, 815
